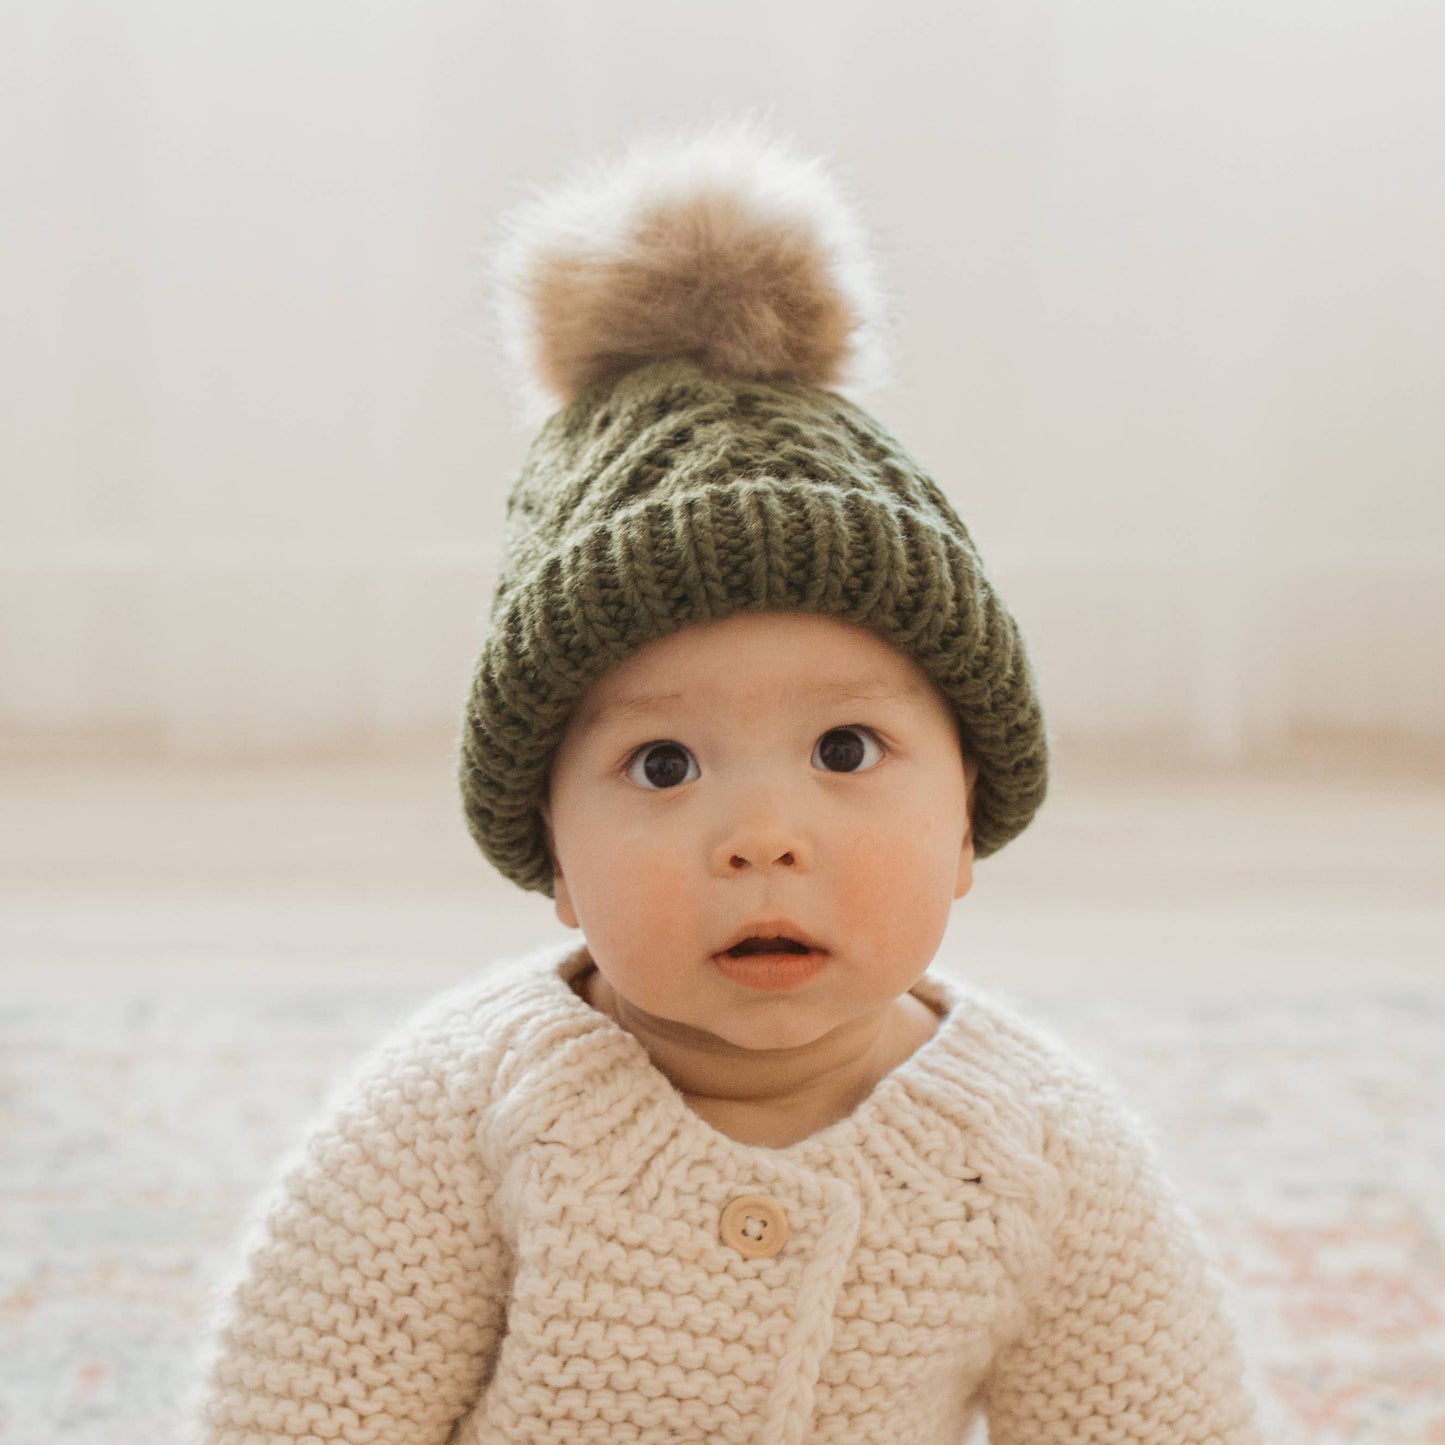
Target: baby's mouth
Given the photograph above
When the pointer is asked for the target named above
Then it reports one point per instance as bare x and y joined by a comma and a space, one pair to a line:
751, 946
770, 965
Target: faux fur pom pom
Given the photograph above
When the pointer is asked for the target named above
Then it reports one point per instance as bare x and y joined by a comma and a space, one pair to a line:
722, 245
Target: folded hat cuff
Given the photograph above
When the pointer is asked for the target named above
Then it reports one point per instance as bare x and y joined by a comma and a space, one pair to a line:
758, 544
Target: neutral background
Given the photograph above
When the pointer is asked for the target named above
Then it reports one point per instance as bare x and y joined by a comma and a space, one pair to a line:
1170, 301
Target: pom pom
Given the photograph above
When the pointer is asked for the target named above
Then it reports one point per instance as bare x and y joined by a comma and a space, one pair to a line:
721, 245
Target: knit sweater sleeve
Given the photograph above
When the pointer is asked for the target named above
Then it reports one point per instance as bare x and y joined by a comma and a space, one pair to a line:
372, 1296
1126, 1340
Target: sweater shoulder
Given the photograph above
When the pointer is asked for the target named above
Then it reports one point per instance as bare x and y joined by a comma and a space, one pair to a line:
1064, 1087
1018, 1051
451, 1047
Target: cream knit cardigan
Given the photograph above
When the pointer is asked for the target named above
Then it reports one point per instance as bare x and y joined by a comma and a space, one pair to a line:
509, 1230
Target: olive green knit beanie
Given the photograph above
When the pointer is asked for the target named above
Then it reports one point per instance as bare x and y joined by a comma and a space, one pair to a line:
699, 310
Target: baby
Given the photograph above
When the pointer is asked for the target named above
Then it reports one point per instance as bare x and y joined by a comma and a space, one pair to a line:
737, 1168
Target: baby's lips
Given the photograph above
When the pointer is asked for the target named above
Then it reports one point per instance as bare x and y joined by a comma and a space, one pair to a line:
770, 928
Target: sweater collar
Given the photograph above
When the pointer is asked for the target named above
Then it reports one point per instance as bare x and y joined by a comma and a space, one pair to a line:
934, 1118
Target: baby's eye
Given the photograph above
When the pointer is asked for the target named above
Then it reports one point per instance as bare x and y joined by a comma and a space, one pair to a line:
664, 764
839, 748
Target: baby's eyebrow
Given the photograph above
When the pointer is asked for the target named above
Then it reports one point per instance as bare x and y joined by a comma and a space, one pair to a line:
862, 689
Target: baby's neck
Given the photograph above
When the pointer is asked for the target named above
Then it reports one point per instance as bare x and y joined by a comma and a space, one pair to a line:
788, 1092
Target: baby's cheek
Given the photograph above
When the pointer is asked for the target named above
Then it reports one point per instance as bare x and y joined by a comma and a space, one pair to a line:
652, 896
874, 866
895, 884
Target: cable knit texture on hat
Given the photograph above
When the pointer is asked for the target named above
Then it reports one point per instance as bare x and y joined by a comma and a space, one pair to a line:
512, 1227
700, 498
695, 312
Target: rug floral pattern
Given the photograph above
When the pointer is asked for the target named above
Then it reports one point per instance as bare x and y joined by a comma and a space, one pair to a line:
1308, 1135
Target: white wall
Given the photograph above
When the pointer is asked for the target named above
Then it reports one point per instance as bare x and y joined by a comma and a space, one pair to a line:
1172, 300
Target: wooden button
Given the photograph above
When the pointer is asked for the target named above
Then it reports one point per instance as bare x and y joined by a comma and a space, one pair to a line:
755, 1226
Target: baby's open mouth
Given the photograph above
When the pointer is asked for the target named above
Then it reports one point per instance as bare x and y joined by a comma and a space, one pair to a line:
767, 945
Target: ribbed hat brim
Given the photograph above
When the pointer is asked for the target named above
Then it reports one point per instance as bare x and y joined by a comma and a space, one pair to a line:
702, 554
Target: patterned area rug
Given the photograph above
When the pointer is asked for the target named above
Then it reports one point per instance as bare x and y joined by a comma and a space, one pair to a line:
1307, 1134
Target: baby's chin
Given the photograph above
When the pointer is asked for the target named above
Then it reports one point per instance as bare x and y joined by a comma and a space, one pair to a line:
776, 1027
778, 1037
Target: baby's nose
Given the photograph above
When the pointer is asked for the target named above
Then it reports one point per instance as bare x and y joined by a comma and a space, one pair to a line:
739, 862
761, 843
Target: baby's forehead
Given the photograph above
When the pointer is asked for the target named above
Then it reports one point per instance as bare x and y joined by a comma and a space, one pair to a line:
763, 659
720, 688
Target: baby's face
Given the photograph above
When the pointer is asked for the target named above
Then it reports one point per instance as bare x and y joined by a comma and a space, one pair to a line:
798, 768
